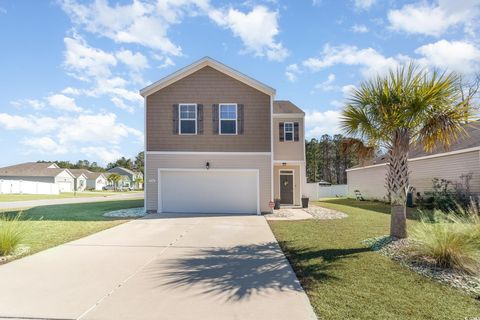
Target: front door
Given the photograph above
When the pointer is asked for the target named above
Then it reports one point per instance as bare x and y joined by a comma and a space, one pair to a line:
286, 188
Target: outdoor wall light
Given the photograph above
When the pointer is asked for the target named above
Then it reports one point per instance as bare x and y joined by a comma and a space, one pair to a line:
207, 165
284, 163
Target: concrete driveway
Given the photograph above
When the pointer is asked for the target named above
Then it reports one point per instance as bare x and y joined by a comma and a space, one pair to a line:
174, 267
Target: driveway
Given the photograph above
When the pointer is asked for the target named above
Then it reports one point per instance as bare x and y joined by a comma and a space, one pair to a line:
49, 202
174, 267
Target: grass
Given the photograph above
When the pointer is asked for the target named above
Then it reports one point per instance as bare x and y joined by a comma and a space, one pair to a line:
49, 226
63, 195
346, 280
12, 233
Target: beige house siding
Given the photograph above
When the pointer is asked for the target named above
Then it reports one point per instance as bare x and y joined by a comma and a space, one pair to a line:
296, 180
371, 181
262, 162
208, 86
288, 150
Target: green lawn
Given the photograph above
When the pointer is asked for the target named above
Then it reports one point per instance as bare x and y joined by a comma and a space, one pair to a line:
63, 195
345, 280
49, 226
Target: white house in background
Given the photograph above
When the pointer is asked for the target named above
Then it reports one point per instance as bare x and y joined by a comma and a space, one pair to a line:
130, 179
80, 180
94, 180
36, 178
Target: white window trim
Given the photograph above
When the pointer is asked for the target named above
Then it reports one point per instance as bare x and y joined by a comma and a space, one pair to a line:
285, 132
220, 119
180, 118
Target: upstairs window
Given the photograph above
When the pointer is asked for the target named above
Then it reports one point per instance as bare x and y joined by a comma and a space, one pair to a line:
288, 131
228, 118
188, 118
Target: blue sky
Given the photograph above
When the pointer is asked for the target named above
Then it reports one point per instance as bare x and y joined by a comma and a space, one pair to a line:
71, 70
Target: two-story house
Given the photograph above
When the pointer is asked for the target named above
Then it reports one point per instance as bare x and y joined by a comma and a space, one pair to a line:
216, 141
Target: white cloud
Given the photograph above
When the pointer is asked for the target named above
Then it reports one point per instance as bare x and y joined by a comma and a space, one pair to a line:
457, 56
44, 145
135, 61
85, 62
257, 29
122, 105
318, 123
28, 123
434, 19
64, 103
31, 103
364, 4
327, 85
348, 89
165, 61
370, 60
292, 72
105, 154
360, 28
71, 91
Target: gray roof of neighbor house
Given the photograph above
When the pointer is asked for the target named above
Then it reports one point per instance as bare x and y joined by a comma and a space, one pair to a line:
89, 174
32, 169
116, 169
285, 106
470, 140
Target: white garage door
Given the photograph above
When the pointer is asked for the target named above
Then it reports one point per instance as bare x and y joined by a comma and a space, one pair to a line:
208, 191
64, 186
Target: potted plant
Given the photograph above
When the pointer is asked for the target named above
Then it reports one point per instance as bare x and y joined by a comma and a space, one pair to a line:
304, 201
277, 204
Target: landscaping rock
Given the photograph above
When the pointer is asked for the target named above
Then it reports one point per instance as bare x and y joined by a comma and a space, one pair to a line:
324, 213
126, 213
397, 249
21, 250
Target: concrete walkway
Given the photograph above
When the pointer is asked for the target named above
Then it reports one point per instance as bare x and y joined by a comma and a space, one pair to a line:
174, 267
79, 199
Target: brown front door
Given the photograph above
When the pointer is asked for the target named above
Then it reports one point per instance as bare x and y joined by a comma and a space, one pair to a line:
286, 189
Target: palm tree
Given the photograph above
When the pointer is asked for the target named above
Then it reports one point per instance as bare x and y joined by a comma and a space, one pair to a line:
407, 107
114, 178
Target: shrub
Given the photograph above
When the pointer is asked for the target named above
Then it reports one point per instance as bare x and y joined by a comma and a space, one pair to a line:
12, 233
450, 240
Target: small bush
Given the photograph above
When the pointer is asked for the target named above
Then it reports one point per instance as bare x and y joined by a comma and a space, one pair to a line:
12, 233
450, 240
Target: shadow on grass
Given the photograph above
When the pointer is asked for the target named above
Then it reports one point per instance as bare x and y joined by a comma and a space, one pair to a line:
376, 206
92, 211
313, 265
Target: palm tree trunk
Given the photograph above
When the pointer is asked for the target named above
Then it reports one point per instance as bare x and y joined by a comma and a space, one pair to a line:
397, 182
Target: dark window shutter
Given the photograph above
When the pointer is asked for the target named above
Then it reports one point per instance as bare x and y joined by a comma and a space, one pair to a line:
215, 118
295, 132
240, 118
199, 118
281, 126
175, 119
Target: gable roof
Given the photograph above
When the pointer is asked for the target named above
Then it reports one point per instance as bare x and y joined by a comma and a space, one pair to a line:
121, 169
87, 173
468, 142
33, 169
285, 106
206, 61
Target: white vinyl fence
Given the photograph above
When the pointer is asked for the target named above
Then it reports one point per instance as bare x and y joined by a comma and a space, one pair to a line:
28, 187
315, 191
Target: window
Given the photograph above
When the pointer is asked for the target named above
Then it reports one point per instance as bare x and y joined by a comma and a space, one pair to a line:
188, 118
288, 131
228, 118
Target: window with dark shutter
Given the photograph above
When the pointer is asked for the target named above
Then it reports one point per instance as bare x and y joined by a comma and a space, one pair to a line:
228, 118
199, 118
215, 118
188, 118
281, 126
288, 131
175, 119
296, 131
240, 118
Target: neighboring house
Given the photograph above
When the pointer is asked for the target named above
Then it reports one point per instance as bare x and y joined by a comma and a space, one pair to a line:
130, 179
94, 180
33, 177
80, 183
454, 164
217, 142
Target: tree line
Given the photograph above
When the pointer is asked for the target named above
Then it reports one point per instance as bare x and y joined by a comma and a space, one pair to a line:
135, 164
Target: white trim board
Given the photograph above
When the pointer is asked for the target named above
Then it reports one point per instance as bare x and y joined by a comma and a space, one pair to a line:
159, 182
288, 115
210, 153
199, 64
438, 155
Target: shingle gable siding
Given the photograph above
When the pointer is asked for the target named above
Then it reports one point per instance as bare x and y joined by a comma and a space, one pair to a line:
208, 86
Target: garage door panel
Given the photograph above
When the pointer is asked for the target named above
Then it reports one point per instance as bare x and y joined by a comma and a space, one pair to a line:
209, 191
